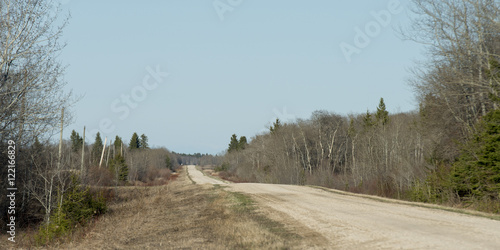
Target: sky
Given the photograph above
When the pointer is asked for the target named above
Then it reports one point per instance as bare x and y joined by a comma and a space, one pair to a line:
189, 74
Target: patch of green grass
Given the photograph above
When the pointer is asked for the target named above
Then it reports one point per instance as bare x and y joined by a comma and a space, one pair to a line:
243, 204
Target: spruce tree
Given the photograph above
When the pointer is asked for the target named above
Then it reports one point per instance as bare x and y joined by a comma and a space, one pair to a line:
97, 149
367, 120
119, 168
477, 172
118, 144
276, 126
76, 141
143, 142
233, 144
351, 131
134, 142
242, 144
382, 114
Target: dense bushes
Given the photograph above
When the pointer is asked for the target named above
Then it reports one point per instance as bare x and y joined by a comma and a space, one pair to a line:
473, 180
77, 206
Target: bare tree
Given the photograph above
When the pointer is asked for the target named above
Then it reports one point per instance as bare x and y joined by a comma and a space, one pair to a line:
31, 83
461, 36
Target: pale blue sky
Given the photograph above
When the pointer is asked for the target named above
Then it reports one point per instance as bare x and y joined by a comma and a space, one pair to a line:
266, 59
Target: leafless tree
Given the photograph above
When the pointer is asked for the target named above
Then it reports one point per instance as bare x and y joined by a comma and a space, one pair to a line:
31, 77
461, 36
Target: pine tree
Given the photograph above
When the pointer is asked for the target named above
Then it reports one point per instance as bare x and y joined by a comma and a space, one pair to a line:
367, 120
76, 141
97, 149
477, 172
143, 142
134, 142
119, 168
233, 144
242, 144
382, 114
351, 131
276, 126
118, 145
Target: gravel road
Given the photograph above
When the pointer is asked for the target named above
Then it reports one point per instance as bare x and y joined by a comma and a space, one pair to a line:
352, 222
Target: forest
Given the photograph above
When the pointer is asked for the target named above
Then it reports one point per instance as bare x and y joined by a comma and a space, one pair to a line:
447, 151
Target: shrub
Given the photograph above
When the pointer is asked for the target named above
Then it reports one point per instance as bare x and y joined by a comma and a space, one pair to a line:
223, 167
77, 207
57, 226
100, 177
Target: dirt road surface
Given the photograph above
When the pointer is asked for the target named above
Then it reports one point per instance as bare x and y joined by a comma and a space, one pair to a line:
351, 222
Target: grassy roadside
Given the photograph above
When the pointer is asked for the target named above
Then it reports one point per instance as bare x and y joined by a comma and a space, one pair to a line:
413, 204
239, 225
182, 215
243, 205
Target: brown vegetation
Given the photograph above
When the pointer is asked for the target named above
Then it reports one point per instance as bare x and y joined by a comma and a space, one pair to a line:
178, 215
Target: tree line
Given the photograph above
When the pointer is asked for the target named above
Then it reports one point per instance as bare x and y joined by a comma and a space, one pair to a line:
59, 182
447, 151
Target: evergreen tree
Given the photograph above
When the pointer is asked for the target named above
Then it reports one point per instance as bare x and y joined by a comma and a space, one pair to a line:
119, 168
276, 126
368, 120
118, 145
382, 114
143, 142
76, 141
134, 142
351, 131
97, 149
477, 173
233, 144
242, 144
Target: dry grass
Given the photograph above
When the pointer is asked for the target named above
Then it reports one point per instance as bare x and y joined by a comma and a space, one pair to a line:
180, 215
